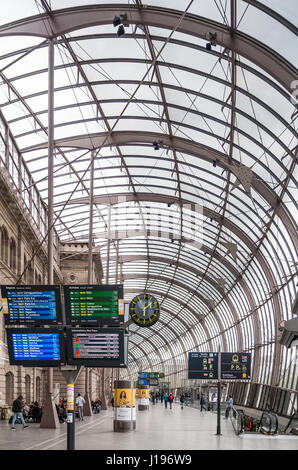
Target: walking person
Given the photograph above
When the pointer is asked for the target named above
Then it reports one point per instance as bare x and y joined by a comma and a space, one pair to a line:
182, 399
166, 398
203, 403
17, 408
80, 401
229, 407
171, 399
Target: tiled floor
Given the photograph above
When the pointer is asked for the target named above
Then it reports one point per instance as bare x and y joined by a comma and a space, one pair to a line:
157, 428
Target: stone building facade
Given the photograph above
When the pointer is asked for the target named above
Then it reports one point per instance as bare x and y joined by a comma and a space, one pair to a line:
23, 260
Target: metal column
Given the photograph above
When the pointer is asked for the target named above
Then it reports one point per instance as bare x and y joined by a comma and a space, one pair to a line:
50, 417
87, 405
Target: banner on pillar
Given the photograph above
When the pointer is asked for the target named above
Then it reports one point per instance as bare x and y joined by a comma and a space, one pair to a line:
143, 396
70, 397
125, 397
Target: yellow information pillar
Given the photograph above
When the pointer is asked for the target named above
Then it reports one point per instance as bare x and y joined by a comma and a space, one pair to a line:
124, 405
143, 398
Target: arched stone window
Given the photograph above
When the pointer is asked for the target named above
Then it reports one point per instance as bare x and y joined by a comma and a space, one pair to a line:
28, 389
26, 272
4, 245
38, 389
13, 255
9, 388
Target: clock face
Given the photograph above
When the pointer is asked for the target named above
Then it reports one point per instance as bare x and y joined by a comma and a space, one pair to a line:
144, 310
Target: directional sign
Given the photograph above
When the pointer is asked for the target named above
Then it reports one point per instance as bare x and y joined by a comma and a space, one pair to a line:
203, 365
236, 366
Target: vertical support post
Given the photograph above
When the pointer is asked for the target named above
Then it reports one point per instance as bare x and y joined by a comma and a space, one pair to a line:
49, 417
87, 405
117, 262
51, 163
108, 246
20, 165
218, 430
7, 148
70, 416
70, 376
91, 192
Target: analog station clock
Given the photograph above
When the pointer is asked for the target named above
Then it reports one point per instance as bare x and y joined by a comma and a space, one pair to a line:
144, 309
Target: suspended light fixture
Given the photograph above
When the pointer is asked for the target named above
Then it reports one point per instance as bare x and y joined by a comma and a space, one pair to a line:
120, 21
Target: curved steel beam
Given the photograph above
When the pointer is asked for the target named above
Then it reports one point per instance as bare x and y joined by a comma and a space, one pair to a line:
157, 292
197, 273
98, 140
71, 19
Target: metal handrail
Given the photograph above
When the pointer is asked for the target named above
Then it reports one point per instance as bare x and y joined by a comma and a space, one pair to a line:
237, 420
268, 423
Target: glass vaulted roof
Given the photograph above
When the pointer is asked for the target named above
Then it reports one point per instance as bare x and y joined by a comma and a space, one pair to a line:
185, 130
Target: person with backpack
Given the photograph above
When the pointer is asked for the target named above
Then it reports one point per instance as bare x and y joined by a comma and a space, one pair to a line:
17, 408
182, 399
166, 398
171, 398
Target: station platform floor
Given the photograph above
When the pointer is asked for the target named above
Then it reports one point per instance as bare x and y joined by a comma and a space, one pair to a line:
156, 429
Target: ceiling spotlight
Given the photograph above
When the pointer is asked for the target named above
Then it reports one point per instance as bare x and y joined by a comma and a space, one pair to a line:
210, 35
208, 46
121, 31
155, 145
116, 21
214, 163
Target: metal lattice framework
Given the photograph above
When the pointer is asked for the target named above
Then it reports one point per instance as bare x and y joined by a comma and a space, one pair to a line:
224, 119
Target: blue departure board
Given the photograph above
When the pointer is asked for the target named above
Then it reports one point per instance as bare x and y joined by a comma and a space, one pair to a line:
32, 347
35, 346
143, 382
143, 375
35, 305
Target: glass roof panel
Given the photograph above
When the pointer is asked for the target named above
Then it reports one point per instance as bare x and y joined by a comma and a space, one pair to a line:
185, 106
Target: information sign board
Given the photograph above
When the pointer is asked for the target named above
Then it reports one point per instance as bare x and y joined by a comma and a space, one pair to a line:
94, 305
143, 375
32, 305
203, 365
96, 347
36, 347
235, 366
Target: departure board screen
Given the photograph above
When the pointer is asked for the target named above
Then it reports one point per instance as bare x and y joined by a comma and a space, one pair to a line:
95, 347
32, 305
35, 347
235, 366
143, 375
143, 382
203, 365
92, 305
153, 382
153, 375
